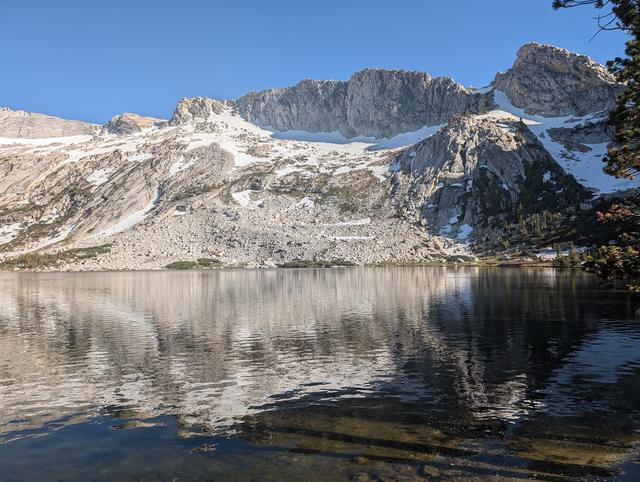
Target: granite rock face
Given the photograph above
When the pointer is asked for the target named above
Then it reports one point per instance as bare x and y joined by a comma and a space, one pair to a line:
384, 103
129, 123
477, 173
551, 81
29, 125
310, 105
373, 103
193, 108
211, 183
578, 138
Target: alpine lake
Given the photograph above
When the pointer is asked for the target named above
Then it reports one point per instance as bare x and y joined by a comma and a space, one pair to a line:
318, 374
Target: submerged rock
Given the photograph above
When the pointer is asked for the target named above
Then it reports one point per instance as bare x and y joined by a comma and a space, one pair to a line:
133, 424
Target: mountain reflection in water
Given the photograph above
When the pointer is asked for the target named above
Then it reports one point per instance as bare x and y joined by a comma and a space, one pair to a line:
318, 374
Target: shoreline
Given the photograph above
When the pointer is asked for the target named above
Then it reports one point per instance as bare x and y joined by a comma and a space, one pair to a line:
497, 264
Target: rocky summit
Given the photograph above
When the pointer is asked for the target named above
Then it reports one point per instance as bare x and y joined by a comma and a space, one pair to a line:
376, 103
386, 167
28, 125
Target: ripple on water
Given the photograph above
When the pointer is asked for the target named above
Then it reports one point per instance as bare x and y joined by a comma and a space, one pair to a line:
490, 370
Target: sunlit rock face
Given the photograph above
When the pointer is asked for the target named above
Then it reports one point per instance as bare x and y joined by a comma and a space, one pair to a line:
434, 173
374, 102
195, 108
129, 123
29, 125
474, 173
551, 81
310, 105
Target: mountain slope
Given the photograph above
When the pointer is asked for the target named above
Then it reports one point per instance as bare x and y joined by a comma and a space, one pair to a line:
435, 172
28, 125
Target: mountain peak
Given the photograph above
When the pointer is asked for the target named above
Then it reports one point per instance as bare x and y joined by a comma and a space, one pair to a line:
373, 103
30, 125
128, 123
553, 81
191, 108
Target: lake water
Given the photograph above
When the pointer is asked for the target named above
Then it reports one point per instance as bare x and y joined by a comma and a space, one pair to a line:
336, 374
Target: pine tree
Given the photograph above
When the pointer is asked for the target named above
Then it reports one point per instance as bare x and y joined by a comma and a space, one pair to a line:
623, 158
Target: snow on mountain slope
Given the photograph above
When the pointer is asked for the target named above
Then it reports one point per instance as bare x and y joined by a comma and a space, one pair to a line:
587, 166
210, 184
212, 170
238, 136
400, 140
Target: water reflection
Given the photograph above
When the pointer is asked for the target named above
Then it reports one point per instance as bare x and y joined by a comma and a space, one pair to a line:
535, 368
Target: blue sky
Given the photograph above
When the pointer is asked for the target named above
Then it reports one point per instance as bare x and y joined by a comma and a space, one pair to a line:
90, 59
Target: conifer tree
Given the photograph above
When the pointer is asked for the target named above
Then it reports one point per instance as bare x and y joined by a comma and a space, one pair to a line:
621, 260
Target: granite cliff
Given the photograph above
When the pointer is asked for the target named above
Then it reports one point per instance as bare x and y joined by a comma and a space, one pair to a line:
386, 167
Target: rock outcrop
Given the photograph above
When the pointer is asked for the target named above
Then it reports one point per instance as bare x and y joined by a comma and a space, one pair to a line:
551, 81
310, 105
578, 138
129, 123
374, 103
29, 125
194, 108
479, 173
211, 185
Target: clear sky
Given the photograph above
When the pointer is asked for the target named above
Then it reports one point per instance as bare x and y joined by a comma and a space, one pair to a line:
90, 59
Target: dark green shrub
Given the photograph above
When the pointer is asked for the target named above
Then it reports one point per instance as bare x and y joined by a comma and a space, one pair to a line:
209, 263
182, 265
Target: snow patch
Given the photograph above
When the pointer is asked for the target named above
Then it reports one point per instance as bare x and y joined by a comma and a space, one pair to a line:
244, 198
305, 203
401, 140
9, 232
353, 238
586, 167
287, 170
379, 172
551, 253
463, 232
181, 165
127, 222
343, 170
99, 176
45, 141
61, 236
484, 90
231, 134
355, 222
143, 156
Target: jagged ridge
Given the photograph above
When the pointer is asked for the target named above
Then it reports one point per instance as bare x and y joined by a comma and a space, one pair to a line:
210, 184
